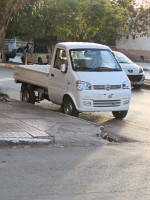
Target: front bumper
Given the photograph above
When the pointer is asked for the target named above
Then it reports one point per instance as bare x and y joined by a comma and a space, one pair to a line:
137, 79
95, 101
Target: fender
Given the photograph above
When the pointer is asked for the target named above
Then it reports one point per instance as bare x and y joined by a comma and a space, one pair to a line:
72, 97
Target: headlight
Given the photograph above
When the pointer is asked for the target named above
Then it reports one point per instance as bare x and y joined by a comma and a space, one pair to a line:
126, 85
81, 85
140, 70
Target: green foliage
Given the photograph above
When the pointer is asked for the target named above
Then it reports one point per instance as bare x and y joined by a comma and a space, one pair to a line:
70, 20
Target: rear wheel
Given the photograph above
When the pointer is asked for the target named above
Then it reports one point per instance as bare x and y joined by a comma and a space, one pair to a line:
119, 114
28, 94
40, 62
69, 108
20, 50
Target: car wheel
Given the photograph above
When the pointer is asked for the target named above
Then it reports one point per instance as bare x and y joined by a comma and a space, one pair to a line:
20, 50
69, 108
40, 62
137, 86
7, 59
23, 59
28, 94
119, 114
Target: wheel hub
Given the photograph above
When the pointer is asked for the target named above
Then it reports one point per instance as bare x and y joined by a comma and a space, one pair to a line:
68, 108
26, 96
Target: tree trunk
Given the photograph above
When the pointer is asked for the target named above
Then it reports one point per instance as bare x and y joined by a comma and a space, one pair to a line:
6, 9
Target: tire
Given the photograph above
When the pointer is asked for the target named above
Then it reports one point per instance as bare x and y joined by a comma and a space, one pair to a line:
20, 50
40, 62
69, 108
23, 59
28, 94
137, 86
119, 114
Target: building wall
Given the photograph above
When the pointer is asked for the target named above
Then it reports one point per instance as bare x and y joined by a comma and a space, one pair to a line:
135, 48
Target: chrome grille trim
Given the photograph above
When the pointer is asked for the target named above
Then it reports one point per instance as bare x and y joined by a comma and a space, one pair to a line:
106, 103
99, 87
103, 87
114, 87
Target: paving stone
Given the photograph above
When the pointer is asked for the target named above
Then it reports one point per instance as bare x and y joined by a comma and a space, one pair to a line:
15, 135
8, 120
39, 123
38, 134
5, 106
2, 116
22, 115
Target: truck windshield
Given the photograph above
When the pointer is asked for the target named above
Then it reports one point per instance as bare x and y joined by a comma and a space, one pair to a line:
93, 60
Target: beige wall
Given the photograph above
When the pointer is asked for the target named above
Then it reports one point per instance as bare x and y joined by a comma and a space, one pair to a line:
134, 48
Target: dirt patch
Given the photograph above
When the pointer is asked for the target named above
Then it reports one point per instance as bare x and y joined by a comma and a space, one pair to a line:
3, 97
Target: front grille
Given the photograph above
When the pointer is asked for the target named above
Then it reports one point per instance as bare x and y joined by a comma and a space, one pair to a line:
136, 78
106, 103
114, 87
103, 87
99, 87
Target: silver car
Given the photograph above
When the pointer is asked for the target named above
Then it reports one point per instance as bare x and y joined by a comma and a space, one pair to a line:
134, 72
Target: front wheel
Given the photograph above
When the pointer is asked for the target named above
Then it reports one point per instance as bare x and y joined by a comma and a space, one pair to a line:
69, 108
120, 114
23, 59
137, 86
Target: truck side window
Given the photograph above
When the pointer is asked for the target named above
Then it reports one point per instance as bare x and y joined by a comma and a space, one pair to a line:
61, 58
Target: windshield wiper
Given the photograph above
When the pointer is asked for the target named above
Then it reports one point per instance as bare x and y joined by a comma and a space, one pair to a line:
123, 62
106, 69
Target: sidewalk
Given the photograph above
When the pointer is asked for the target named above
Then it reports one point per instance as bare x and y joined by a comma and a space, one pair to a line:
25, 123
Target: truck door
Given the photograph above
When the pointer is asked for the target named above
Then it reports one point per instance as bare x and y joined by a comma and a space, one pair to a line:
58, 80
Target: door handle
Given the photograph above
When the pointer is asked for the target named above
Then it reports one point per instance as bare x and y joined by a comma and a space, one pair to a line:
52, 75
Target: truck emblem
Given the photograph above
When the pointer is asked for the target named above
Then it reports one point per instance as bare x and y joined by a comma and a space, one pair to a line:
107, 87
130, 70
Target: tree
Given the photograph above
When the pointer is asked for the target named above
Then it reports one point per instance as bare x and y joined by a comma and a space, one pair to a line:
140, 24
73, 20
6, 9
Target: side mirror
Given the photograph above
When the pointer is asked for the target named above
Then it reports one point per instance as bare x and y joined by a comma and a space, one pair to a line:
63, 68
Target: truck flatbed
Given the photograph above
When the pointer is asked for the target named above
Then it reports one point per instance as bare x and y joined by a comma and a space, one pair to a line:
32, 74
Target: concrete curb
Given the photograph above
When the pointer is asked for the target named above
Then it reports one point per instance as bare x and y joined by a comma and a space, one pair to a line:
24, 141
7, 65
145, 69
30, 137
146, 86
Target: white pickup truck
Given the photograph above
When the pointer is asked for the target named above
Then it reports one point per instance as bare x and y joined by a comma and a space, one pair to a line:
82, 77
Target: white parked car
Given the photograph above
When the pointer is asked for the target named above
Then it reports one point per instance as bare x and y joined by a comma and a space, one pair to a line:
134, 72
36, 55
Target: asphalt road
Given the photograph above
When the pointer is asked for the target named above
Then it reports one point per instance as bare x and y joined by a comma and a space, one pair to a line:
114, 171
118, 172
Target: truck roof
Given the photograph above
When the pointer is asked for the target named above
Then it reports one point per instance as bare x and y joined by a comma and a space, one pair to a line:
81, 45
